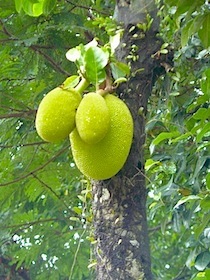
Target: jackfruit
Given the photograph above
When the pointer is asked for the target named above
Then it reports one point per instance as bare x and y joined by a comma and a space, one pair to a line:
55, 117
104, 159
92, 118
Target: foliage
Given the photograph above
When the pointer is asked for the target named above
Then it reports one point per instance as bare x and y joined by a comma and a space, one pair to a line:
178, 139
45, 227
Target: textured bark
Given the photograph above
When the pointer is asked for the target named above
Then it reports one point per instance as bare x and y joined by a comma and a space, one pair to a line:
122, 248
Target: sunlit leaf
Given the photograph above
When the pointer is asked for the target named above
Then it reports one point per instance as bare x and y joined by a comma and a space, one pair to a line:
18, 5
161, 137
203, 32
48, 6
71, 82
73, 54
186, 199
119, 69
95, 60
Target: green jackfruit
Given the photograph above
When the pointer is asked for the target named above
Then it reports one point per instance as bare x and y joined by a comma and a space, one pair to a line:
92, 118
55, 117
104, 159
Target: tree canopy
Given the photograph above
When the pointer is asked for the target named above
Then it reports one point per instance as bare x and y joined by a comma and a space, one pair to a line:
46, 229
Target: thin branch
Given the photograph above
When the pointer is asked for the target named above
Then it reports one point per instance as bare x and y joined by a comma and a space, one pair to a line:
183, 274
22, 114
157, 227
8, 39
76, 254
24, 145
16, 79
86, 8
36, 49
26, 224
55, 65
50, 189
35, 170
18, 101
5, 30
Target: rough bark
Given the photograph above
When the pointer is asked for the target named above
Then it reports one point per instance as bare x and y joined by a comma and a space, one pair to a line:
119, 204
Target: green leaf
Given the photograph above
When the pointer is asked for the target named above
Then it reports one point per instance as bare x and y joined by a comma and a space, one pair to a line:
208, 181
71, 82
96, 57
115, 41
204, 33
77, 210
183, 6
150, 163
95, 60
28, 7
37, 9
200, 276
205, 83
48, 6
187, 6
190, 28
201, 100
34, 1
181, 137
82, 198
205, 130
202, 260
191, 258
202, 114
18, 5
186, 199
161, 137
119, 69
202, 226
73, 54
32, 9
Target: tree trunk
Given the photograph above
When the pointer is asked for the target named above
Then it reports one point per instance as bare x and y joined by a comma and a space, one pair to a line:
119, 204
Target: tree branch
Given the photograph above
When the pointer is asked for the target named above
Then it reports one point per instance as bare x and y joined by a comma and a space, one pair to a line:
37, 49
26, 224
50, 189
23, 114
35, 170
86, 8
23, 145
50, 60
150, 230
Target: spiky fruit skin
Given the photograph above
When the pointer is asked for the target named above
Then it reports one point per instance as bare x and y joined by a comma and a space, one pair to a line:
104, 159
55, 117
92, 118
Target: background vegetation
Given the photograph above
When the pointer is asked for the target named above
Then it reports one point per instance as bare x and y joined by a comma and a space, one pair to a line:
45, 217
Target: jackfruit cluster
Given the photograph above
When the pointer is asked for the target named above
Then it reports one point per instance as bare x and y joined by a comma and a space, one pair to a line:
103, 135
100, 128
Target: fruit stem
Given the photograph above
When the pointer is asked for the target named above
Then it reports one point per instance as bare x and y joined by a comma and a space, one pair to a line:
103, 92
83, 84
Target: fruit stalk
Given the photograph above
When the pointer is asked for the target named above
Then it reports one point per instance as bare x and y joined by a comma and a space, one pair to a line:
83, 84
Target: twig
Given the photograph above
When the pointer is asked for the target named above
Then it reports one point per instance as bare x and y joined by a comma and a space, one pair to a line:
50, 60
50, 189
157, 227
18, 115
76, 254
35, 170
30, 223
37, 49
23, 145
86, 8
